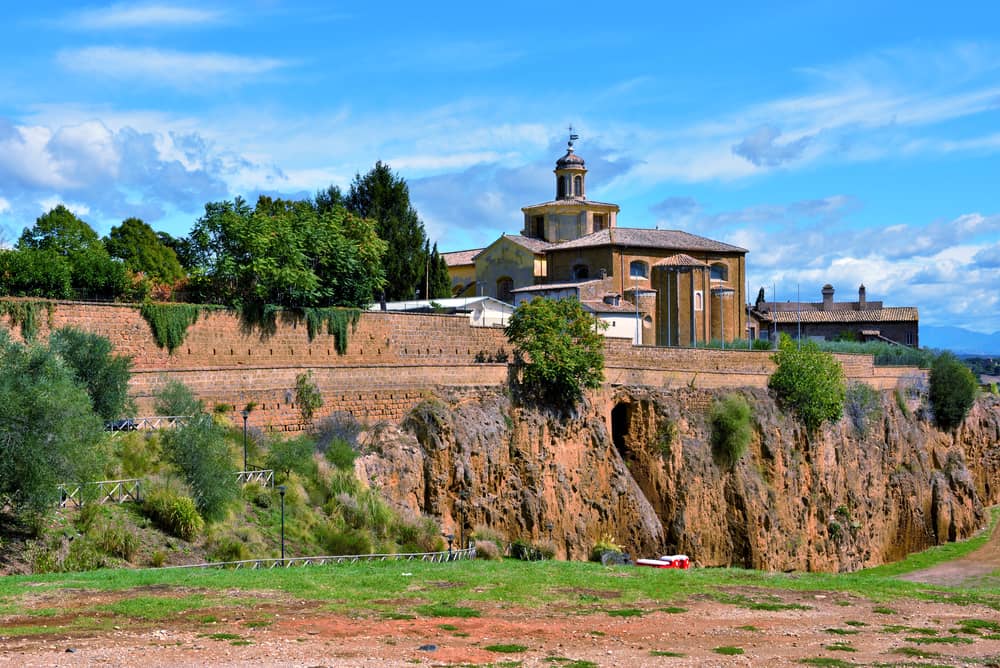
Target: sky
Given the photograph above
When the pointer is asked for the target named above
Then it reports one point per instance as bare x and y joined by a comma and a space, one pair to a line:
839, 142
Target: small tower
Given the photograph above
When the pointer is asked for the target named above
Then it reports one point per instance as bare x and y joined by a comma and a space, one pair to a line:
571, 173
862, 298
827, 297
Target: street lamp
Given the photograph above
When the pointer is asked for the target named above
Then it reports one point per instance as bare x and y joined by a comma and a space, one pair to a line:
451, 541
245, 413
281, 491
549, 526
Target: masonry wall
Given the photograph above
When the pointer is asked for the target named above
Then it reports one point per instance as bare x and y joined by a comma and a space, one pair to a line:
392, 362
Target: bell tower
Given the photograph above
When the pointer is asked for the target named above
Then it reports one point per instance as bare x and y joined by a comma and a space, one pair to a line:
571, 173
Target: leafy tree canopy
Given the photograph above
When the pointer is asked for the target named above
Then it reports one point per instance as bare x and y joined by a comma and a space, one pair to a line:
92, 270
810, 381
563, 345
952, 390
285, 253
384, 197
102, 374
135, 243
435, 281
48, 432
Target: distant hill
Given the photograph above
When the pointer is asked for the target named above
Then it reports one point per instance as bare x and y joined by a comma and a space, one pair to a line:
959, 340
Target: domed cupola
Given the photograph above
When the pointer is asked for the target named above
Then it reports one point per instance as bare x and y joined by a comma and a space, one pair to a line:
571, 173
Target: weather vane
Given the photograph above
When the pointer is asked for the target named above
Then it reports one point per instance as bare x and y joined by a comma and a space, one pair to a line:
572, 136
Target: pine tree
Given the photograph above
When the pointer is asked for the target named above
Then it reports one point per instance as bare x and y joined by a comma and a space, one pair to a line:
383, 196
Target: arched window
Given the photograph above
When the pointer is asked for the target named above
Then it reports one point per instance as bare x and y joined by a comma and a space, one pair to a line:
504, 287
699, 301
577, 185
560, 187
581, 272
638, 269
720, 272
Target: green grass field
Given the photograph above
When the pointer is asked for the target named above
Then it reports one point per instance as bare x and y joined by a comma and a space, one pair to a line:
455, 589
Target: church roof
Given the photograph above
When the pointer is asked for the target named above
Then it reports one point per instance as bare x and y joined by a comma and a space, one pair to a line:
532, 244
645, 238
571, 200
680, 260
600, 306
570, 161
544, 287
459, 258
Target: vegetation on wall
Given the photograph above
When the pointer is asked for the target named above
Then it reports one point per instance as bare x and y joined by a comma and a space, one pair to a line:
27, 315
732, 428
336, 321
809, 381
952, 391
561, 346
863, 405
169, 322
307, 396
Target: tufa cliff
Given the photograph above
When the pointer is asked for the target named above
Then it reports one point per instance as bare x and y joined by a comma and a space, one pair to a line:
635, 464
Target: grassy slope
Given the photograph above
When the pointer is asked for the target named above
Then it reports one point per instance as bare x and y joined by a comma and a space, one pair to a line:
353, 588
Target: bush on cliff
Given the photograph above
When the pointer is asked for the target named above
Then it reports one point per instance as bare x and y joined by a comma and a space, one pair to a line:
732, 428
864, 407
952, 391
810, 381
563, 347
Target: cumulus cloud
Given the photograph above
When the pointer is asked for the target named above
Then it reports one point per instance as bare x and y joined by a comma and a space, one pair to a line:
163, 67
150, 15
110, 174
762, 149
4, 205
989, 257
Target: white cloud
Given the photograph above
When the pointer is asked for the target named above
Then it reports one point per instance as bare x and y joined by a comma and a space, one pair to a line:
4, 206
52, 201
162, 67
151, 15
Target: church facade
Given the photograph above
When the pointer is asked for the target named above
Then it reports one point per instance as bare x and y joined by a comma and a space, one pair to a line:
685, 288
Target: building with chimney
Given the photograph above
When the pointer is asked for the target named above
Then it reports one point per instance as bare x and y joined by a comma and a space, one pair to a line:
860, 320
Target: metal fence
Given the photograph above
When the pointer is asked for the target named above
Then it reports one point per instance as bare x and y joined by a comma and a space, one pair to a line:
150, 423
295, 562
103, 491
263, 476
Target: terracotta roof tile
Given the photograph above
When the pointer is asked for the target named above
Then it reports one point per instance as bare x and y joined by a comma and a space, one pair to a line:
644, 238
532, 244
888, 314
598, 306
459, 258
680, 260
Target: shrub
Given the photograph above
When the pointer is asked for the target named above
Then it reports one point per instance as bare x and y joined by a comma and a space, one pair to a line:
418, 535
84, 555
340, 453
104, 375
228, 548
524, 550
336, 542
199, 451
307, 396
901, 402
158, 558
563, 345
286, 455
177, 515
731, 428
138, 452
810, 381
605, 544
487, 550
339, 426
863, 404
546, 548
482, 532
952, 391
115, 538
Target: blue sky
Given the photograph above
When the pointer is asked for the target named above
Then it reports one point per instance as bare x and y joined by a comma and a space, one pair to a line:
837, 141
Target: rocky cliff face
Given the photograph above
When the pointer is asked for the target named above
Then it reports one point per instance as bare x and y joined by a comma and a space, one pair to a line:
635, 464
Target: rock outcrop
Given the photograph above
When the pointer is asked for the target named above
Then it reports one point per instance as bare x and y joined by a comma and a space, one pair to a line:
635, 464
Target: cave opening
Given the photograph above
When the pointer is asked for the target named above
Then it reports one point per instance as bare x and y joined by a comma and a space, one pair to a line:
619, 429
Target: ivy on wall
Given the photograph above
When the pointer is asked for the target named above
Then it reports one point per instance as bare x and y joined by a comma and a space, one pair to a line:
27, 315
169, 322
336, 321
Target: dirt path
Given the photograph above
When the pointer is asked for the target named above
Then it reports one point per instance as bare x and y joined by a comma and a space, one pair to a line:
978, 567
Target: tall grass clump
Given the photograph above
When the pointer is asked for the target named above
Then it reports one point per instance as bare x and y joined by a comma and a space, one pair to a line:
173, 513
732, 428
884, 354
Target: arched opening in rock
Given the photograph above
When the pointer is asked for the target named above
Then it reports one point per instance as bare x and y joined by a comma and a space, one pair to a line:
619, 429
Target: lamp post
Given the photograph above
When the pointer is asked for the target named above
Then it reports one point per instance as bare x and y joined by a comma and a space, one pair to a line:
549, 526
245, 413
451, 541
281, 491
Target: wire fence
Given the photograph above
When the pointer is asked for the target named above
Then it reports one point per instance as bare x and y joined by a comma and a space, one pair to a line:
298, 562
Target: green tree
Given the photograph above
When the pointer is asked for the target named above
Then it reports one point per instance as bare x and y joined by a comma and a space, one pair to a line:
48, 432
810, 381
92, 270
35, 273
307, 396
563, 347
103, 375
137, 245
284, 253
384, 197
198, 449
952, 391
434, 281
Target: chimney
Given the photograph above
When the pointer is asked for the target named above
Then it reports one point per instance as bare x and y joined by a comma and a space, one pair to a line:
827, 297
862, 298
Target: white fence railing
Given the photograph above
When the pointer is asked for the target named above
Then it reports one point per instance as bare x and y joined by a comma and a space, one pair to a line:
102, 491
263, 476
294, 562
150, 423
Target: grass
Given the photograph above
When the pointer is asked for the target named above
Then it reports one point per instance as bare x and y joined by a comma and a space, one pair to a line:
570, 663
939, 640
223, 636
843, 632
917, 652
883, 610
854, 622
447, 610
659, 652
673, 610
625, 612
826, 661
840, 647
728, 650
506, 648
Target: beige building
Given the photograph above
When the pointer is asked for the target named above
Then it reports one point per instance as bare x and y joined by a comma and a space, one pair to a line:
689, 288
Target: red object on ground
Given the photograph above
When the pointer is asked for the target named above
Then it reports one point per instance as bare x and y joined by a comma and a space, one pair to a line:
667, 561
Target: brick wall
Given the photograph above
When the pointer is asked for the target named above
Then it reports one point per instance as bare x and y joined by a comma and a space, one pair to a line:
392, 362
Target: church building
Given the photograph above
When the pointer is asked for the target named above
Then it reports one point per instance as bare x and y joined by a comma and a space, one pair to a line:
686, 289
